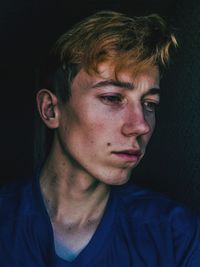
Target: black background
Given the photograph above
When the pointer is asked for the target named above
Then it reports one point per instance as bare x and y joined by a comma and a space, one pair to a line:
29, 28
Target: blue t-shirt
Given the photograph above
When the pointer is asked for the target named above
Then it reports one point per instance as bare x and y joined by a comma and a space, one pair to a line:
139, 228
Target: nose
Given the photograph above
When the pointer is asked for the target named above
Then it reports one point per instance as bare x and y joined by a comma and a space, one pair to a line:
135, 123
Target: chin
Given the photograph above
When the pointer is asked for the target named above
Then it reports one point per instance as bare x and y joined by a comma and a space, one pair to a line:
118, 179
117, 175
118, 183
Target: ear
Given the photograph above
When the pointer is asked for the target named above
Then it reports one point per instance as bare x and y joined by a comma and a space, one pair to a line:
47, 104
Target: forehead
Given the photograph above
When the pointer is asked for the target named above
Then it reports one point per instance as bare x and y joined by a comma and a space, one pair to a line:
148, 76
150, 73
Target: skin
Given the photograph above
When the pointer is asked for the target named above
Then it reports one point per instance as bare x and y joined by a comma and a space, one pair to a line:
102, 118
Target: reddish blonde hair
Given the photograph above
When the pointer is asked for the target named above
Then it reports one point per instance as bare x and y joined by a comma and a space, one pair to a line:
110, 36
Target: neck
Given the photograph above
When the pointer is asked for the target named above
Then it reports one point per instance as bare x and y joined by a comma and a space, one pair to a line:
71, 195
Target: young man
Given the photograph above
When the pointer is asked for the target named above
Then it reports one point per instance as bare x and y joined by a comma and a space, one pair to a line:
98, 107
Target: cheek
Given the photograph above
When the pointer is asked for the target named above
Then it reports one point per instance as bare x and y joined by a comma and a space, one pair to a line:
98, 131
90, 124
89, 131
98, 134
151, 120
97, 121
152, 125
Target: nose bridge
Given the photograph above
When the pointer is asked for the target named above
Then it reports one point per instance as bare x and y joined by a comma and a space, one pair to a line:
134, 120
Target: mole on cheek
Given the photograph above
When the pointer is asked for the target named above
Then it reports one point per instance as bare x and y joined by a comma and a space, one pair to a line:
108, 144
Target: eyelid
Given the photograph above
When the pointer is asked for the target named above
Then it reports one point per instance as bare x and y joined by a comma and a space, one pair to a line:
117, 95
117, 98
155, 99
151, 101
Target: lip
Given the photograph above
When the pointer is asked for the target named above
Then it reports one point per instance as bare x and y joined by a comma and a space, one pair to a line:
128, 154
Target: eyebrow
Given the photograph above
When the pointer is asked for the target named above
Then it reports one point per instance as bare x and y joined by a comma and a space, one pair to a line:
125, 85
117, 83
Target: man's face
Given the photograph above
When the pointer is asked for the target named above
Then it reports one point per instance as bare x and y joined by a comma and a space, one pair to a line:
106, 125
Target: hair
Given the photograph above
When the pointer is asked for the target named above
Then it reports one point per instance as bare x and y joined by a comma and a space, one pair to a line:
131, 43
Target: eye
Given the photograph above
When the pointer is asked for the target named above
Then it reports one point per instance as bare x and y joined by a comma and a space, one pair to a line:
112, 99
150, 106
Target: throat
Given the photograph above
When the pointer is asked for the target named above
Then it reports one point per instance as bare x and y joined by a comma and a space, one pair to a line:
67, 205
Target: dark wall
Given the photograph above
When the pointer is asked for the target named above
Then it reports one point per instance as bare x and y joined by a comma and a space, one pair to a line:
29, 28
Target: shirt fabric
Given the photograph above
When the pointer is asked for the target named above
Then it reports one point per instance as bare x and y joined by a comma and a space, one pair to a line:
139, 228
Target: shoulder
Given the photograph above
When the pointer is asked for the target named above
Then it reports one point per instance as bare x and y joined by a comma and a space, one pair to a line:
144, 205
16, 199
167, 223
25, 235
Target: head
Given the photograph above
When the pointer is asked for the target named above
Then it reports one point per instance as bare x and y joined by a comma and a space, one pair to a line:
106, 50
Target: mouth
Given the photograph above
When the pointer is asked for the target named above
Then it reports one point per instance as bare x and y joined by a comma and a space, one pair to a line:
129, 154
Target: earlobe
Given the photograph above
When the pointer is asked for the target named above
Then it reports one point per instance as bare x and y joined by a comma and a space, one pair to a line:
47, 104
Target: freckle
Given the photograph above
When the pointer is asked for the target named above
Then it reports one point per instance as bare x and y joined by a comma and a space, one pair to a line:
108, 144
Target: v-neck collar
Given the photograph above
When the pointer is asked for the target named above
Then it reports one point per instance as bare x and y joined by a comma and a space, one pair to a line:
101, 237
